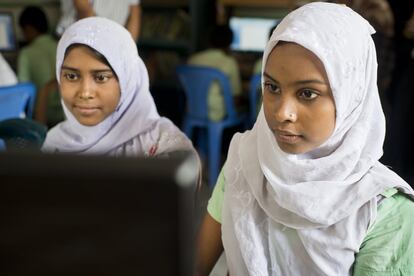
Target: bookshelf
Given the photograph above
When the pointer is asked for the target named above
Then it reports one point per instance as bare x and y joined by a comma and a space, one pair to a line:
259, 3
171, 30
173, 25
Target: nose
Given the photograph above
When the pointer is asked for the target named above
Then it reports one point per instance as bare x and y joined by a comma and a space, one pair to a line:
86, 89
286, 110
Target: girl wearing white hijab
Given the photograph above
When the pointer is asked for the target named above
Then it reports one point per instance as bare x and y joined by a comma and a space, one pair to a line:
303, 192
105, 96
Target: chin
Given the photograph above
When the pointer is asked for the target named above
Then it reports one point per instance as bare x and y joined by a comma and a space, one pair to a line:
88, 122
289, 149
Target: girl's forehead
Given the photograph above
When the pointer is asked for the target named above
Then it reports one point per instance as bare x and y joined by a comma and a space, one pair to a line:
84, 56
288, 52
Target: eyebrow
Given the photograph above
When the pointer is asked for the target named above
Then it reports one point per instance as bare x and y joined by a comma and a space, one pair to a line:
300, 82
64, 67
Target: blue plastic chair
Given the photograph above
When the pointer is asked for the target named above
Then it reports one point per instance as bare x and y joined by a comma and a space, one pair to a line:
2, 145
22, 134
16, 100
196, 82
13, 105
254, 97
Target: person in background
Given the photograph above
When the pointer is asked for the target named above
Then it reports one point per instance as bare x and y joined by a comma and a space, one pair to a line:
257, 68
36, 63
303, 193
36, 60
218, 57
125, 12
106, 97
7, 75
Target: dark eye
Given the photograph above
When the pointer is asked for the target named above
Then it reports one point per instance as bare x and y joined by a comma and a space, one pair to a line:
308, 94
102, 77
272, 88
70, 76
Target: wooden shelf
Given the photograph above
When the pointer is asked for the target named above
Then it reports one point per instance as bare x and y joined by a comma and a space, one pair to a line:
27, 2
158, 44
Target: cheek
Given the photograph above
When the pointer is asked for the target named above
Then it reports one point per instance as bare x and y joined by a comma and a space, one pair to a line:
268, 110
113, 96
323, 122
66, 91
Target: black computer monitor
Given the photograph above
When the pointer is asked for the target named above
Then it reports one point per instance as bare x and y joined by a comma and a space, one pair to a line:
250, 34
90, 215
8, 40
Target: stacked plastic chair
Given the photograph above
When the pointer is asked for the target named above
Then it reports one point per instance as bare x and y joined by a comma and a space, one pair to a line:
2, 145
22, 134
17, 101
254, 97
196, 82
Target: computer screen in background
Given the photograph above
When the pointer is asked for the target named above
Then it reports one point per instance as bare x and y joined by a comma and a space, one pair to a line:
251, 34
7, 32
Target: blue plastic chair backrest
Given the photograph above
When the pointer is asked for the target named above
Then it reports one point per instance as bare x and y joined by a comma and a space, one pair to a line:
13, 105
22, 134
255, 84
2, 145
22, 88
196, 81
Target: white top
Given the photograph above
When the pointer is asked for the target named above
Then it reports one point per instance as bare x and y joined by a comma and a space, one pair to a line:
7, 75
115, 10
307, 214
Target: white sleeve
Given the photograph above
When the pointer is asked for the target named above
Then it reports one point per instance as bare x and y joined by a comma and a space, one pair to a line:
7, 75
134, 2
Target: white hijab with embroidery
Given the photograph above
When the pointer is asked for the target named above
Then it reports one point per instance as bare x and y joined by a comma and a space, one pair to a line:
326, 197
136, 112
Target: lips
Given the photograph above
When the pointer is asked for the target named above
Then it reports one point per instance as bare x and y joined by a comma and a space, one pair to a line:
86, 110
289, 137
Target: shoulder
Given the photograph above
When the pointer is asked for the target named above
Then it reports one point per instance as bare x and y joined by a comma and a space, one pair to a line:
200, 57
50, 40
389, 245
215, 203
169, 138
25, 51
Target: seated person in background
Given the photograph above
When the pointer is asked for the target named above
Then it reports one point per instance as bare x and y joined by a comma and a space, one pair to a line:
36, 63
257, 68
106, 97
7, 75
303, 192
125, 12
218, 57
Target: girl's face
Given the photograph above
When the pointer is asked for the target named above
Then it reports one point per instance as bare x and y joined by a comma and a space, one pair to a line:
297, 99
90, 89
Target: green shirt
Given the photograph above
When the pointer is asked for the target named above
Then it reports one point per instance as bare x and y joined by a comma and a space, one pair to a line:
36, 62
388, 248
218, 59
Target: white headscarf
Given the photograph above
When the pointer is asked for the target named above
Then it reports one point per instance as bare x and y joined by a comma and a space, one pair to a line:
326, 197
136, 111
